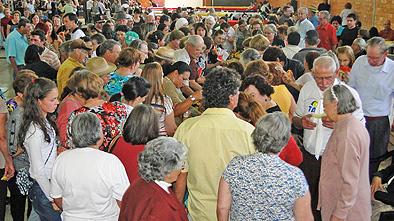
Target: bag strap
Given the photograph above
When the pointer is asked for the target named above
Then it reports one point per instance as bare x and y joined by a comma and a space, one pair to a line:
112, 145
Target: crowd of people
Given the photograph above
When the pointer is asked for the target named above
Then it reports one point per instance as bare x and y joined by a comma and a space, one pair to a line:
140, 114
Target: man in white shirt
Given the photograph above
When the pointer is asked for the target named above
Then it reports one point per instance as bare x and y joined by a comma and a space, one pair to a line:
93, 190
70, 20
293, 39
303, 25
317, 129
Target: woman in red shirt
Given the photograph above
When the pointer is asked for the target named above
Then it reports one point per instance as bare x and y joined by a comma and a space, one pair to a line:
141, 127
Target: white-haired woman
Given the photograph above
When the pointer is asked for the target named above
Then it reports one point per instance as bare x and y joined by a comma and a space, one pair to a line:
261, 186
151, 197
344, 192
88, 184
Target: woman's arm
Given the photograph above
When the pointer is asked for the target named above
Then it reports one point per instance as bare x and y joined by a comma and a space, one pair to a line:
224, 201
302, 208
170, 124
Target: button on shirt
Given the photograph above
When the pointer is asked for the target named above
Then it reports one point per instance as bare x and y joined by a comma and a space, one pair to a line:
310, 101
374, 84
16, 45
327, 35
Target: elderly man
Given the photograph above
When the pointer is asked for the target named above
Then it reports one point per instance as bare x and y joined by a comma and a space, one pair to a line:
317, 129
303, 25
37, 37
77, 57
70, 21
88, 191
327, 32
372, 77
192, 51
109, 50
16, 45
387, 33
212, 139
358, 47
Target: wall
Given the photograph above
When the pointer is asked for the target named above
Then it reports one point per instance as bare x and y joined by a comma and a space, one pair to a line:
384, 9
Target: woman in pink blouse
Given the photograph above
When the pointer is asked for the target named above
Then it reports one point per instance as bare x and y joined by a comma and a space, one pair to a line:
344, 192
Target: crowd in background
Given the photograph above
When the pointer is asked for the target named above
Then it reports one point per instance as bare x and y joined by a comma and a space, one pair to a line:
129, 113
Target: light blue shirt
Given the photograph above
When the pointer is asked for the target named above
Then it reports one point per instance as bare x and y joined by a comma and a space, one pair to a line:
375, 85
302, 28
15, 46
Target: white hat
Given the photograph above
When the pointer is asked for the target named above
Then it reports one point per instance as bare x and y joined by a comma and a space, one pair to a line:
182, 22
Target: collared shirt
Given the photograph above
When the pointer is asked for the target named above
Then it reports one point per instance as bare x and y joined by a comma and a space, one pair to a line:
302, 28
374, 84
291, 50
50, 58
164, 185
15, 46
76, 34
327, 35
64, 72
212, 139
310, 101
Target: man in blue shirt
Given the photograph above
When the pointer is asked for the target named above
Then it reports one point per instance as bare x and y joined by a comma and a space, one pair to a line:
16, 45
372, 76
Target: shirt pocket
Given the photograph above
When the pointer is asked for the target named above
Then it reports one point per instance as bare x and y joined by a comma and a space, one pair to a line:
381, 91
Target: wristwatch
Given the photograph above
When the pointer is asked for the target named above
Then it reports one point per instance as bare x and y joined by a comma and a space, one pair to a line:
192, 98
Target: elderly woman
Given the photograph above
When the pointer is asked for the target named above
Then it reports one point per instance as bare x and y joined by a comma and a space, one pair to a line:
261, 186
344, 192
271, 33
88, 191
151, 197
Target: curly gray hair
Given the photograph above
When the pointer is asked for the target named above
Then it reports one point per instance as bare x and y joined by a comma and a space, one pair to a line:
272, 133
160, 157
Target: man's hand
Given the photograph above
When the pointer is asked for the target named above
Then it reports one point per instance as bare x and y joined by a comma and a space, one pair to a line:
307, 123
197, 95
376, 185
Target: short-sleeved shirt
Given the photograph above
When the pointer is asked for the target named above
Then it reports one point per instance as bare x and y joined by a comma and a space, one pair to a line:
112, 116
348, 35
115, 83
263, 187
64, 72
327, 35
89, 181
16, 45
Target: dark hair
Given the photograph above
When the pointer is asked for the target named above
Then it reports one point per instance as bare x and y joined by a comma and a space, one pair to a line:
33, 53
310, 58
348, 5
99, 38
272, 53
237, 66
200, 25
161, 27
259, 82
132, 88
185, 31
107, 31
156, 36
336, 18
32, 113
23, 22
294, 38
107, 45
164, 18
179, 66
312, 37
352, 15
224, 25
218, 32
121, 28
141, 126
208, 42
40, 33
86, 38
373, 32
72, 17
219, 85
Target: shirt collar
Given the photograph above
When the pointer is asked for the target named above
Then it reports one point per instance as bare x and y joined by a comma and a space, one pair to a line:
219, 111
164, 185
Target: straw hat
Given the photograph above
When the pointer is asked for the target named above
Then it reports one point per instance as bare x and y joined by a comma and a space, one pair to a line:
99, 66
165, 53
79, 43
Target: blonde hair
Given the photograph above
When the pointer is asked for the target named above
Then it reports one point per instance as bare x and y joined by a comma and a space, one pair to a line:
348, 51
86, 84
258, 67
153, 73
249, 109
259, 42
